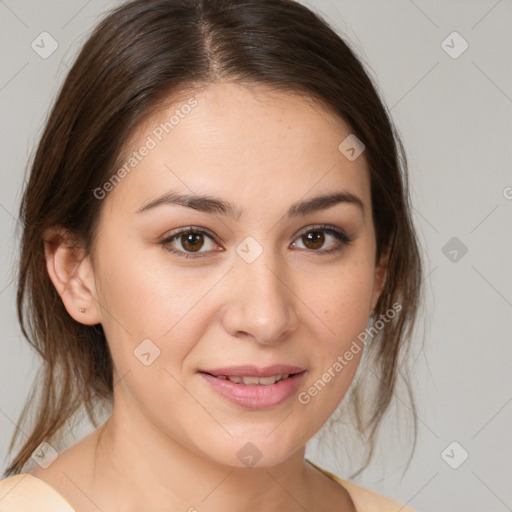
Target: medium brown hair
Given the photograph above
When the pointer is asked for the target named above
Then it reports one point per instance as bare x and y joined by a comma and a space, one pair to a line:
141, 55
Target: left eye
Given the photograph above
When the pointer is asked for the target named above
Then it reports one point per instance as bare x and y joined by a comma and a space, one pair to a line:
315, 238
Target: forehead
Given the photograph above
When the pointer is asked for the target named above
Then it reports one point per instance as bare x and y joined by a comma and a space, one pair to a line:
241, 141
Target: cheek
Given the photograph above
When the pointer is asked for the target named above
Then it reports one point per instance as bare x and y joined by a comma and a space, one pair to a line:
144, 292
147, 317
343, 297
335, 347
342, 300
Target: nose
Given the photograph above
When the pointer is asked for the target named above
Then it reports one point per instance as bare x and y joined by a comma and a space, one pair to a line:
262, 303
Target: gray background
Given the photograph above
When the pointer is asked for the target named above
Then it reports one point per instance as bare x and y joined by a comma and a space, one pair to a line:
454, 115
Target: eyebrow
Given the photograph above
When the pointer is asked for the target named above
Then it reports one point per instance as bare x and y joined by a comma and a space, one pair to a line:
211, 204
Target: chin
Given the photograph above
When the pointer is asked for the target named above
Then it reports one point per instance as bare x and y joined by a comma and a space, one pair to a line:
256, 450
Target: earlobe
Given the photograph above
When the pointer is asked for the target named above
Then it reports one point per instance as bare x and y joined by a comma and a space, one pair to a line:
71, 273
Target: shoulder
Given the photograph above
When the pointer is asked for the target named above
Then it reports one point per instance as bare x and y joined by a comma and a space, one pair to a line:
366, 500
26, 493
369, 501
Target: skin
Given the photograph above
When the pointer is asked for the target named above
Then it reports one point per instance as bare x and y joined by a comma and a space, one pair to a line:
171, 442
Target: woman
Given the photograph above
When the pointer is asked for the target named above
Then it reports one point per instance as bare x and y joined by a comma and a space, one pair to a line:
216, 211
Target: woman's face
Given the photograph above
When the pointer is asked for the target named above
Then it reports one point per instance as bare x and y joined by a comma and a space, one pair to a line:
257, 283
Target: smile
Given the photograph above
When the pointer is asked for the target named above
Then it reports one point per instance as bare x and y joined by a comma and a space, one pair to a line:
254, 381
255, 391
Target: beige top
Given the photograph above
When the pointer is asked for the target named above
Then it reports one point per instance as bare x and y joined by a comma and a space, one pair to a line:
26, 493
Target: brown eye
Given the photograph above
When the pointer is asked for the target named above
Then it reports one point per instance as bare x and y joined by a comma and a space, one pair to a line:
192, 241
322, 239
313, 239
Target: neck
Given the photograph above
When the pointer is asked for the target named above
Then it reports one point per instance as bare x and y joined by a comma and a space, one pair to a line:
156, 472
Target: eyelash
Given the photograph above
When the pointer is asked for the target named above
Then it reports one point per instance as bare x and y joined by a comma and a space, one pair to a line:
340, 235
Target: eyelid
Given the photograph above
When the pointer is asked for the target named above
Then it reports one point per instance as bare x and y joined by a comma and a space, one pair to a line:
328, 228
188, 229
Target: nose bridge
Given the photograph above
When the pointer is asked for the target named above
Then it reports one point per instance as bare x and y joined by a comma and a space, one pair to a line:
262, 304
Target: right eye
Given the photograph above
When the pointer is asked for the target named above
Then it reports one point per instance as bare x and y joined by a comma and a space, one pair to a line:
191, 240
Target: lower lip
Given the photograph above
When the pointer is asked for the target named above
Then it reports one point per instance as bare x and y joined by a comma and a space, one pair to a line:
255, 397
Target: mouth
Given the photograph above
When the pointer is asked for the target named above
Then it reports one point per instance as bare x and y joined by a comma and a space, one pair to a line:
254, 381
255, 388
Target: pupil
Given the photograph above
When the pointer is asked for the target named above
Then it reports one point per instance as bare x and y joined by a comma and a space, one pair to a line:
315, 238
189, 240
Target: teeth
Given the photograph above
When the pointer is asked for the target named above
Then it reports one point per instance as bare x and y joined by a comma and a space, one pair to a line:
251, 381
266, 381
256, 381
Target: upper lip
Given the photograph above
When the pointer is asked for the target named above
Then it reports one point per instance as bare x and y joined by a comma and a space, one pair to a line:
254, 371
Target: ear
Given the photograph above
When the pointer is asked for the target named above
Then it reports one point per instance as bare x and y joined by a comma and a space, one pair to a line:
381, 270
72, 275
